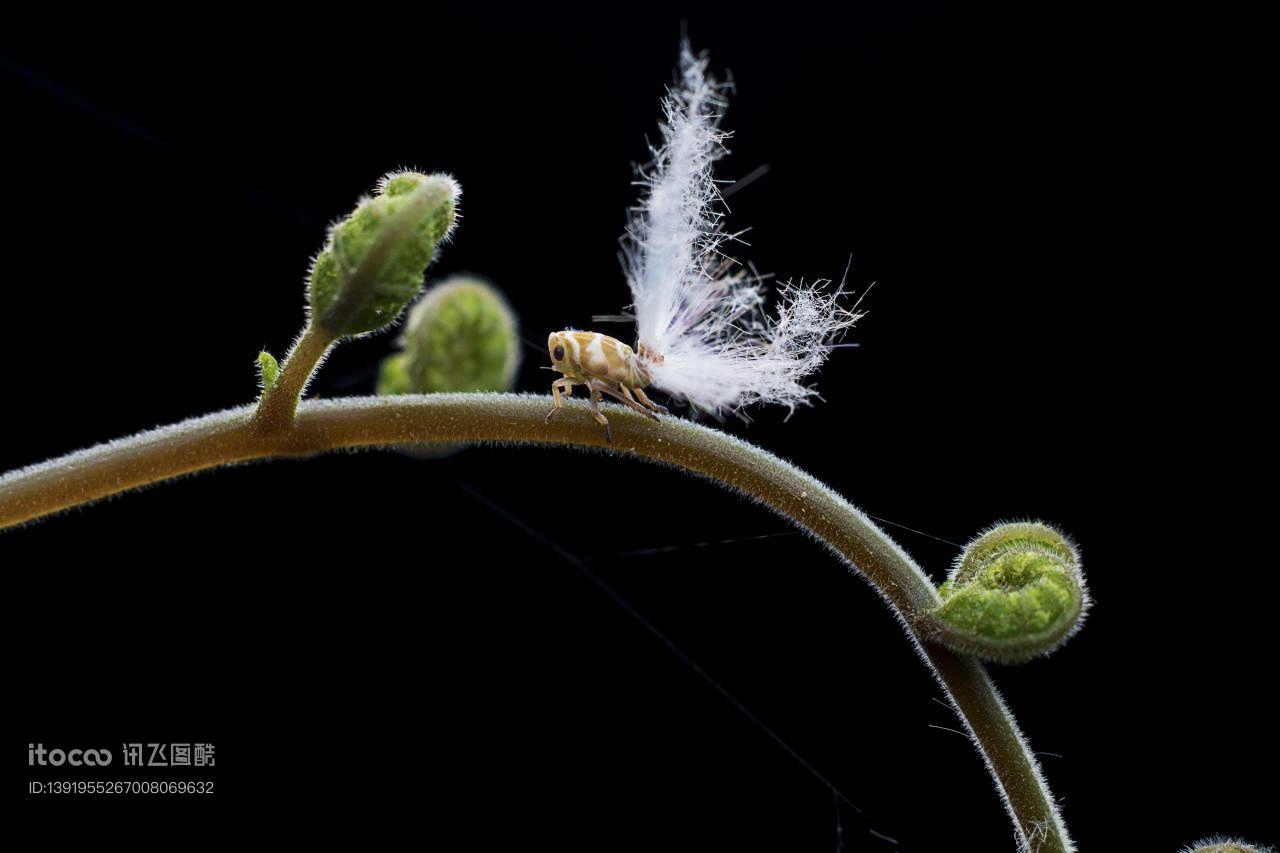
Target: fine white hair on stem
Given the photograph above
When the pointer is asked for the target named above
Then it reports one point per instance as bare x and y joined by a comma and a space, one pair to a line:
701, 324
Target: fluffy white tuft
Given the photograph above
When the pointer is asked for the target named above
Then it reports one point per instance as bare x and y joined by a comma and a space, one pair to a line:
701, 324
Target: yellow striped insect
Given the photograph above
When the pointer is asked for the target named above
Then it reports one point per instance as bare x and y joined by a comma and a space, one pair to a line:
606, 366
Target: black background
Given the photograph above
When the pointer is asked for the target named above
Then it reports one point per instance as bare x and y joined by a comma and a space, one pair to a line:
1054, 206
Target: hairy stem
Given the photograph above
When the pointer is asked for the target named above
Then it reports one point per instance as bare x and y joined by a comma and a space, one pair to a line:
279, 404
238, 434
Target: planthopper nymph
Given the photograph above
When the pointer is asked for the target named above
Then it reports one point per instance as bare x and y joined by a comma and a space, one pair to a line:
703, 335
606, 366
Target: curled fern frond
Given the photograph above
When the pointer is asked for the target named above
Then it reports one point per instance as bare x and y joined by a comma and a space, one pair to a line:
1016, 593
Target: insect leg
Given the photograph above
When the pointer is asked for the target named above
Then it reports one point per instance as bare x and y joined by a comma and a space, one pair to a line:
597, 414
644, 398
623, 394
567, 385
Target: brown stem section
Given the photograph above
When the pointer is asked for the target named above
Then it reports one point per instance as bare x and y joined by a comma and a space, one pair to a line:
279, 403
238, 434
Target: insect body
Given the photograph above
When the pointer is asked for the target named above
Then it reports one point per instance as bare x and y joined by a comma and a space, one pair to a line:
606, 366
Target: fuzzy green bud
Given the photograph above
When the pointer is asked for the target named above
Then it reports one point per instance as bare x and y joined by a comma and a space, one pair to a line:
373, 263
461, 336
1015, 593
268, 370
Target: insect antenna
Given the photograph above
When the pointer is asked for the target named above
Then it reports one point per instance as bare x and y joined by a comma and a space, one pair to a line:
745, 181
540, 349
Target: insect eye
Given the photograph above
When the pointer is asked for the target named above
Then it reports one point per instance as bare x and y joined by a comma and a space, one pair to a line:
558, 354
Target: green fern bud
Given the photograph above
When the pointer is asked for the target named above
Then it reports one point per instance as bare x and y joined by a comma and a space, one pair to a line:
1015, 593
393, 375
461, 336
373, 263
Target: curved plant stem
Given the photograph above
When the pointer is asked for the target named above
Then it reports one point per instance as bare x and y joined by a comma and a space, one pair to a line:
279, 403
237, 435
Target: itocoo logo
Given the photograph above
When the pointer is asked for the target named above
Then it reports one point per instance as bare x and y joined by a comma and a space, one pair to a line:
36, 754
